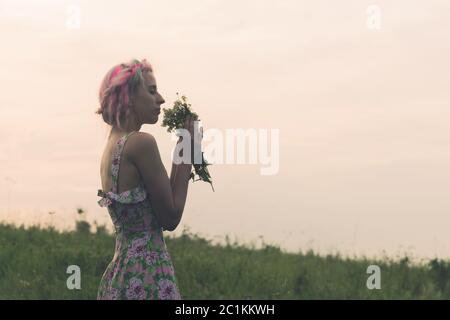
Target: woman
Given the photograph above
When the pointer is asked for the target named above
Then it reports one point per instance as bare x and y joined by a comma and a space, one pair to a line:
140, 197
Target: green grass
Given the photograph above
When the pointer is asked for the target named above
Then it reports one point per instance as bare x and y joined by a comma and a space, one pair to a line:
33, 264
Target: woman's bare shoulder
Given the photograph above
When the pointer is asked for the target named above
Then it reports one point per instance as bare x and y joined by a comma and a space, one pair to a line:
140, 141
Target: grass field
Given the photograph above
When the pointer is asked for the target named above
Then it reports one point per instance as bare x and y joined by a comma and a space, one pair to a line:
33, 264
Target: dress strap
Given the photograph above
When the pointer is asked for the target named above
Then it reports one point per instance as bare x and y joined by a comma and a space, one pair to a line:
116, 160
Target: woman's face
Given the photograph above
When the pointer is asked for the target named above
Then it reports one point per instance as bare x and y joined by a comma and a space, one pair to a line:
147, 100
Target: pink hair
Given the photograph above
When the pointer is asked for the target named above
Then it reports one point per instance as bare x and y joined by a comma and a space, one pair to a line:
119, 85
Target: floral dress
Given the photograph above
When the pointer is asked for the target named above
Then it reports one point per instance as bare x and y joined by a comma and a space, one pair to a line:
141, 267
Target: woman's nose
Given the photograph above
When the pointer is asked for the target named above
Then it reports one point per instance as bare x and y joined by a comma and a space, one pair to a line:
161, 99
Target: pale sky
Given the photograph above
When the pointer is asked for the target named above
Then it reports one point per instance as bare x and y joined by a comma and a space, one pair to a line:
363, 115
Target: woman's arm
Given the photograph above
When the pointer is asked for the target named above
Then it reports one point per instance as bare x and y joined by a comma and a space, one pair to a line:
168, 194
179, 182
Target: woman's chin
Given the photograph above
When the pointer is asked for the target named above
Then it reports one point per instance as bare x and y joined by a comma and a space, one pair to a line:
154, 120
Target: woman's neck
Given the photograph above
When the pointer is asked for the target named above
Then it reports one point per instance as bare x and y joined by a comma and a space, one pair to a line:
117, 132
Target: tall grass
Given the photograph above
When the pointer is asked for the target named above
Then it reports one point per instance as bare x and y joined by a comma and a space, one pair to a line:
33, 264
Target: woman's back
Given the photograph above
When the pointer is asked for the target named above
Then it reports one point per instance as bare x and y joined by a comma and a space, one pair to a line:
128, 175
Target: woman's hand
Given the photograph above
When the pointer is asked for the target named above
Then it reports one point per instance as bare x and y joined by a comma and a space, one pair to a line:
189, 125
